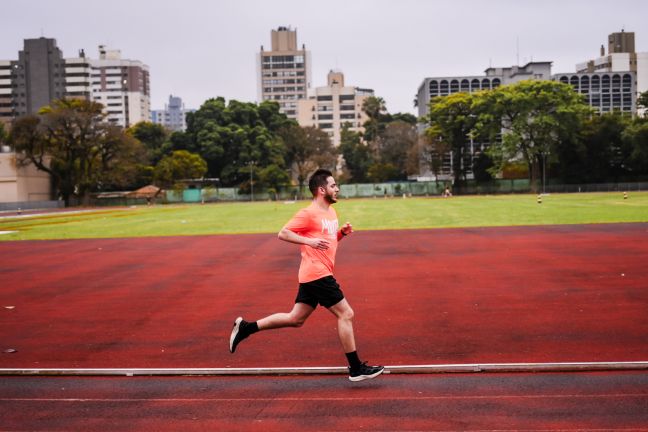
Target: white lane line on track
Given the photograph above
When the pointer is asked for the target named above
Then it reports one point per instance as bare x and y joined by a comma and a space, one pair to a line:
402, 369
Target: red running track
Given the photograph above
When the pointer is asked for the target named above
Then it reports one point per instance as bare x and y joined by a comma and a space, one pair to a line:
481, 295
477, 402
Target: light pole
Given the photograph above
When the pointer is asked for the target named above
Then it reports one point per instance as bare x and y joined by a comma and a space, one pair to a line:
251, 165
544, 172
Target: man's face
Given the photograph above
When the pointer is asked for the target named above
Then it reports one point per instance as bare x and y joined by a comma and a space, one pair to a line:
331, 190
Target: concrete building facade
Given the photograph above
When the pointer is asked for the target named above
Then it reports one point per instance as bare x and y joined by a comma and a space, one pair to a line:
122, 86
620, 60
605, 92
22, 183
38, 76
331, 106
284, 72
7, 113
492, 78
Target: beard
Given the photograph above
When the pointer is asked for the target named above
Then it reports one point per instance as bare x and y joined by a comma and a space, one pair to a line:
330, 198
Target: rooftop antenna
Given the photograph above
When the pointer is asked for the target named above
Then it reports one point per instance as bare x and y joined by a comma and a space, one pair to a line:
42, 32
517, 50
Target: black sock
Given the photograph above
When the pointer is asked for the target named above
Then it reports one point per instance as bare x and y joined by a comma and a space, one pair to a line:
353, 359
251, 328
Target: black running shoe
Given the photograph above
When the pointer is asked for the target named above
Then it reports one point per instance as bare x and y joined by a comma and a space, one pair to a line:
238, 333
364, 372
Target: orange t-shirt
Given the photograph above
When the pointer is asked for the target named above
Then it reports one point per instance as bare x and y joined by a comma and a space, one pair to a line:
313, 222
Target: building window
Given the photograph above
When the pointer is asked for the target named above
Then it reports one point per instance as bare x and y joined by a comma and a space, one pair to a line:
443, 88
324, 98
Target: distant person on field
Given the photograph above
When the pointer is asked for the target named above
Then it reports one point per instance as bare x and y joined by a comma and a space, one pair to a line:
315, 228
447, 193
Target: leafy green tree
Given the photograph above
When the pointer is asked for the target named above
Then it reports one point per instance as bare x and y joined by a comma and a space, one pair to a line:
534, 116
307, 148
482, 167
635, 139
403, 117
273, 177
356, 153
382, 171
434, 150
596, 153
155, 139
231, 135
70, 141
180, 140
451, 120
392, 149
375, 109
179, 165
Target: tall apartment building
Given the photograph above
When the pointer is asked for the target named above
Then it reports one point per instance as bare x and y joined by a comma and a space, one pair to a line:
284, 72
173, 116
41, 74
621, 60
333, 105
6, 98
38, 75
122, 86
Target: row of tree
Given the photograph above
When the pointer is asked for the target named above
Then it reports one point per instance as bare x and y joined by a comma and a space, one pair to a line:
545, 125
234, 142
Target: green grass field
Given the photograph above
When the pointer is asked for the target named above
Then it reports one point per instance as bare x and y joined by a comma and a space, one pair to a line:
364, 214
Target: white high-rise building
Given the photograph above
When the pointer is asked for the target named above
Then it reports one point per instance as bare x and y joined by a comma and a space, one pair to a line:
621, 60
173, 116
284, 73
331, 106
122, 86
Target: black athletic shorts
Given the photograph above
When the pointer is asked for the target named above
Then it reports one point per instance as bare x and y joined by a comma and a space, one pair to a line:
324, 291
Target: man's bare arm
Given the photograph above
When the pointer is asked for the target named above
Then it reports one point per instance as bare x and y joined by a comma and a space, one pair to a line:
291, 237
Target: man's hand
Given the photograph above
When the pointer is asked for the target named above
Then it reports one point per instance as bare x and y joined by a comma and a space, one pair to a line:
346, 229
320, 244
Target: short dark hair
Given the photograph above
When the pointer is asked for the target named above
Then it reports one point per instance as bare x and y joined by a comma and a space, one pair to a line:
318, 179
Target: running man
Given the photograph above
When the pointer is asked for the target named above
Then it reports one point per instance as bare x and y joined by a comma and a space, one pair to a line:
315, 228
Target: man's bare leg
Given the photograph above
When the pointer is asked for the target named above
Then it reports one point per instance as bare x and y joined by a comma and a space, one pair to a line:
358, 371
295, 318
344, 315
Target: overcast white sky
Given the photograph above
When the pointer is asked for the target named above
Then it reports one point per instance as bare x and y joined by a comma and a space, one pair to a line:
198, 49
